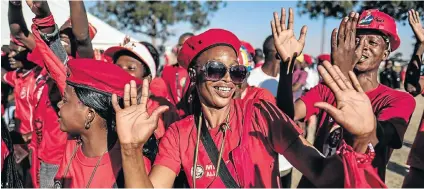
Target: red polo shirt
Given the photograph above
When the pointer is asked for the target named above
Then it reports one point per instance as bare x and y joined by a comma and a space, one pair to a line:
24, 85
81, 168
389, 105
254, 158
4, 153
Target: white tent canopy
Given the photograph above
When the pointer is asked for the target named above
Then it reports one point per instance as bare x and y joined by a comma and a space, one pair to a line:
106, 36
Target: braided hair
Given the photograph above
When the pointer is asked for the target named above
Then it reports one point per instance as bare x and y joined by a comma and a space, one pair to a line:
102, 104
10, 177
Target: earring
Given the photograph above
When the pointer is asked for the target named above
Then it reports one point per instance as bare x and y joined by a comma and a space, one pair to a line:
87, 125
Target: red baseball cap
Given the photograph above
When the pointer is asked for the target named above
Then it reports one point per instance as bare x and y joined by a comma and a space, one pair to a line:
98, 76
308, 59
324, 57
195, 45
373, 19
249, 47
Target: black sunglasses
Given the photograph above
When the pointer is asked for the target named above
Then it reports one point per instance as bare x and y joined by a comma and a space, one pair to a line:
215, 71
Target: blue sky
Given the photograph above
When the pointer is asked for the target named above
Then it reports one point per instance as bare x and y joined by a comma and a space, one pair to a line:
250, 21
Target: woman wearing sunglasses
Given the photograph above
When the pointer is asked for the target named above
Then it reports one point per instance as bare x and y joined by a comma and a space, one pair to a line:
225, 142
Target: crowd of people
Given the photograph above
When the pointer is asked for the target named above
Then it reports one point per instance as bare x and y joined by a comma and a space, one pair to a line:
224, 114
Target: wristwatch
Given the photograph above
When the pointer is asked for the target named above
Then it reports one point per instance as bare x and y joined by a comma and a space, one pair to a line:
49, 37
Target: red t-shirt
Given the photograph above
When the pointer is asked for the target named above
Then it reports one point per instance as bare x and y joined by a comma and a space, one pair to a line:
24, 86
51, 140
81, 167
4, 153
260, 93
177, 82
254, 152
389, 105
158, 88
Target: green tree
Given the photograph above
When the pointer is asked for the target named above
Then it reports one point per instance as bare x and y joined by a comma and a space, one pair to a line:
397, 9
153, 18
325, 9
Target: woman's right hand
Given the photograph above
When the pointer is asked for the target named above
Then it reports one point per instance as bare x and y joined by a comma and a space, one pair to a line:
133, 124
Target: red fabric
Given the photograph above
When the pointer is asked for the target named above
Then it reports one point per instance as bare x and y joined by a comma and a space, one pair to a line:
4, 153
81, 168
17, 42
308, 59
34, 170
176, 149
323, 57
158, 88
43, 53
259, 93
160, 130
259, 64
249, 47
98, 75
51, 140
177, 82
373, 19
44, 22
196, 44
388, 105
416, 156
24, 85
358, 175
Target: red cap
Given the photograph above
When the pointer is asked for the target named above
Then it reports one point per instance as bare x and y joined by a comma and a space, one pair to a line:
99, 76
308, 59
323, 57
373, 19
249, 47
195, 45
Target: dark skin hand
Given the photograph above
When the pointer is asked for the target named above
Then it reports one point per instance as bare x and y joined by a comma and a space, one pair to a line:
41, 10
17, 25
413, 83
344, 51
80, 29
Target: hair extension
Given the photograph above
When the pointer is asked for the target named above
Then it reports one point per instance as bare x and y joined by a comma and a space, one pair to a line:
10, 177
102, 104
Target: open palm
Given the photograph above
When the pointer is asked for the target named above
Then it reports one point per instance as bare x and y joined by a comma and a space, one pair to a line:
354, 111
133, 124
284, 39
415, 23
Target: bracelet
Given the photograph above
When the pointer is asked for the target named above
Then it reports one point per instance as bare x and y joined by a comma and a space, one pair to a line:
368, 156
48, 37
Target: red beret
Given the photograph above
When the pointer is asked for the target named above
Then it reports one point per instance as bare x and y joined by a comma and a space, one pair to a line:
324, 57
98, 76
195, 45
308, 59
249, 47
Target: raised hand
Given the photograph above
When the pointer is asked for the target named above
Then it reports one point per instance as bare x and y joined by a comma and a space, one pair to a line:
415, 23
287, 45
345, 52
354, 111
39, 8
133, 124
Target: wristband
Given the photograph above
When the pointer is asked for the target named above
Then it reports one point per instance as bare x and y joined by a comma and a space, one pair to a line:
48, 37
